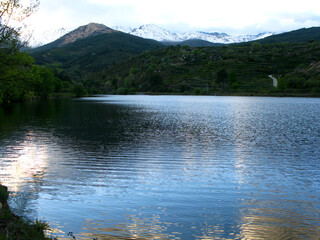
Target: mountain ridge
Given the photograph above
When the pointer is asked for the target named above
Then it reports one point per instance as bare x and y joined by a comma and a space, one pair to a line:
119, 60
148, 31
94, 53
155, 32
82, 32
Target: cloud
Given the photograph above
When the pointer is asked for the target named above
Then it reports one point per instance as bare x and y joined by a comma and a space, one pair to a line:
233, 15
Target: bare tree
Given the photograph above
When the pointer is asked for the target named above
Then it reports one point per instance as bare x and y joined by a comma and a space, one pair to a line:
12, 15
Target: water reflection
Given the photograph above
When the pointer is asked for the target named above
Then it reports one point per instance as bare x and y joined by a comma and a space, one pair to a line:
269, 221
24, 166
280, 203
141, 167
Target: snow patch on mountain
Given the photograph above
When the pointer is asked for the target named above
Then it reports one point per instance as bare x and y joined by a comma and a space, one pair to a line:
155, 32
37, 38
150, 31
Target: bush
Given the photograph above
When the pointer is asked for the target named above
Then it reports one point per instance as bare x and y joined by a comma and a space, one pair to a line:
79, 90
235, 86
197, 91
122, 91
3, 194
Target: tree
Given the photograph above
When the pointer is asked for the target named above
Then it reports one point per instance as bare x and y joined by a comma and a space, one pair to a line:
15, 76
15, 66
13, 13
222, 77
155, 82
282, 84
256, 47
79, 90
43, 81
233, 77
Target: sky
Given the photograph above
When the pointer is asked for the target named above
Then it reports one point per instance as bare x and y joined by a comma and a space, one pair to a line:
229, 16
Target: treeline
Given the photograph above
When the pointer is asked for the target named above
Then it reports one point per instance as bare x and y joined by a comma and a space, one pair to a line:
234, 69
21, 79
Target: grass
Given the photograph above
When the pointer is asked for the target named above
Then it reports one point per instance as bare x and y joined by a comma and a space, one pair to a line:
13, 227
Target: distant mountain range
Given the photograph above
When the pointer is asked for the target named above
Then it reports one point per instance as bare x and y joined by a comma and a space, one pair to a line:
155, 32
151, 31
96, 54
90, 49
37, 38
82, 32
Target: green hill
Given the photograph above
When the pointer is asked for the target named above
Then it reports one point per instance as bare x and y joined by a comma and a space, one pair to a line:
193, 43
300, 35
119, 63
82, 32
85, 57
234, 69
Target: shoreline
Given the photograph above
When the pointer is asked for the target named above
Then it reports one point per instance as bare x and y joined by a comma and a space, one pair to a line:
15, 227
217, 94
234, 94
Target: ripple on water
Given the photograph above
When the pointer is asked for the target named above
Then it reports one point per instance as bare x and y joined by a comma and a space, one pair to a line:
169, 167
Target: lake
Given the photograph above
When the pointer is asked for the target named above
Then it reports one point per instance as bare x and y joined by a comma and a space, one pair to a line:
165, 167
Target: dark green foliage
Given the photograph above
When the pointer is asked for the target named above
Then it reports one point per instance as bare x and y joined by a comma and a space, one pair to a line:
15, 75
79, 90
256, 47
193, 43
122, 91
3, 194
222, 78
233, 77
20, 78
13, 227
197, 91
240, 69
155, 82
282, 84
301, 35
86, 57
114, 63
43, 81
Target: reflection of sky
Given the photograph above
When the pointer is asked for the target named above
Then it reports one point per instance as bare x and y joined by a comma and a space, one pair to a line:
280, 201
24, 163
200, 169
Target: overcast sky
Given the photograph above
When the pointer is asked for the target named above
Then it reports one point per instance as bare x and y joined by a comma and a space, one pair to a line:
230, 16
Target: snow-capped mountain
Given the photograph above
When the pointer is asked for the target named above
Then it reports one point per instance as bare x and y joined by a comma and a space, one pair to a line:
155, 32
150, 31
38, 38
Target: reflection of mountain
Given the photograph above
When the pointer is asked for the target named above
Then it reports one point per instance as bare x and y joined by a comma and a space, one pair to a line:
266, 220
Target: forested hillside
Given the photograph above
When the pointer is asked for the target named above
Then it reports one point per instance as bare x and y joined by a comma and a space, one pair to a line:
121, 63
234, 69
86, 57
300, 35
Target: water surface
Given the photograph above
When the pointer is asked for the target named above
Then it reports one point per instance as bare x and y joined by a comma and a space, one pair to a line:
166, 167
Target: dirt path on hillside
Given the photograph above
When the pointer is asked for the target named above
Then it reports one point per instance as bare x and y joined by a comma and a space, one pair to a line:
275, 81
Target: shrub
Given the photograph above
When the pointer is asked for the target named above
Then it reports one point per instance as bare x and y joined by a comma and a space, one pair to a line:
3, 194
79, 90
122, 91
197, 91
